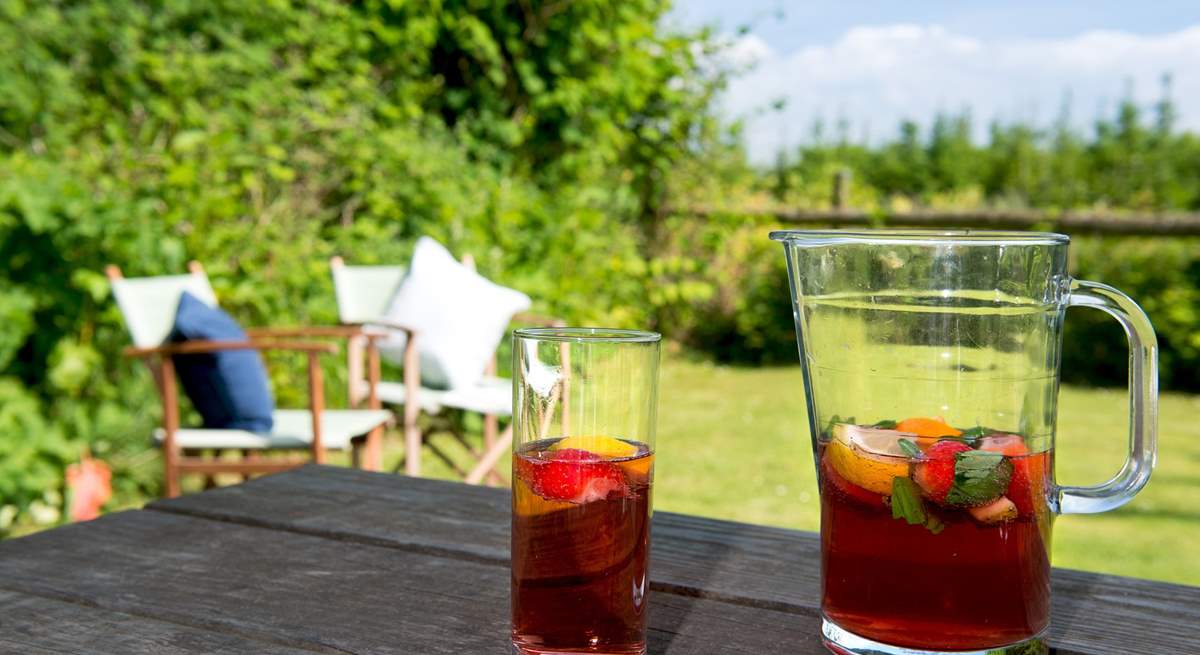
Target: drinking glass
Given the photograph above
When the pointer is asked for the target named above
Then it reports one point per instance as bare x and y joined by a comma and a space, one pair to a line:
585, 402
931, 370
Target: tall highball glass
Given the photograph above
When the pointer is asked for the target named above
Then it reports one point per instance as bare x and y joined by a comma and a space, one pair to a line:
585, 403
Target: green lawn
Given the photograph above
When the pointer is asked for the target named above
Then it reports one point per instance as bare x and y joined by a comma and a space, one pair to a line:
733, 443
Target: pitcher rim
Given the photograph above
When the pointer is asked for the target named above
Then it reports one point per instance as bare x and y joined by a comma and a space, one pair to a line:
920, 237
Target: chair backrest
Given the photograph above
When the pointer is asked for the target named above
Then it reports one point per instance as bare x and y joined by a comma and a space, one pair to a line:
363, 292
148, 304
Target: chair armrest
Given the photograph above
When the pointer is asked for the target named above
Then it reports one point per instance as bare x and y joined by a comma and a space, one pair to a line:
315, 331
539, 320
194, 347
373, 332
165, 377
391, 325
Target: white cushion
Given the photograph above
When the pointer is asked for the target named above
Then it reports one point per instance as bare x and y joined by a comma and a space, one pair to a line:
459, 315
292, 429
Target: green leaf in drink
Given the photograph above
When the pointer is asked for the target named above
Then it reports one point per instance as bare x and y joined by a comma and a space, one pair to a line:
980, 477
906, 502
908, 505
976, 432
910, 448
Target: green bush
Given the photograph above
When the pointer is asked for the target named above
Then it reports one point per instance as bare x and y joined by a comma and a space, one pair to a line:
260, 138
743, 312
1163, 276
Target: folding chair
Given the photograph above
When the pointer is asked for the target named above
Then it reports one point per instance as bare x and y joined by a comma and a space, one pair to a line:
363, 295
148, 306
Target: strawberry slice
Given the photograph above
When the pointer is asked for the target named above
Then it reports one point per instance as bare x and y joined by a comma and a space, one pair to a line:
1028, 472
573, 475
935, 473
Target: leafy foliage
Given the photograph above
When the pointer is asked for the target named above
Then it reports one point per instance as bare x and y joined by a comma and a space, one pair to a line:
260, 138
1129, 161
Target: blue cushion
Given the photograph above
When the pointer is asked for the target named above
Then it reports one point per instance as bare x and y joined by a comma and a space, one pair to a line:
228, 388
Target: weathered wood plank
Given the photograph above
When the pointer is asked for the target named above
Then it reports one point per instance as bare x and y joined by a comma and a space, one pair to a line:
425, 515
682, 625
749, 565
329, 596
449, 518
34, 625
297, 590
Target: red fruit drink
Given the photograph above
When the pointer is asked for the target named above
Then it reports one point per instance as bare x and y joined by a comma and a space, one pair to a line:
936, 544
580, 536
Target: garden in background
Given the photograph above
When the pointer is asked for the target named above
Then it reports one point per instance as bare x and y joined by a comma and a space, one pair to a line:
561, 145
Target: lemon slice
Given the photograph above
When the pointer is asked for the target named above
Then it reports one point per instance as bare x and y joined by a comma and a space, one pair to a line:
868, 457
608, 447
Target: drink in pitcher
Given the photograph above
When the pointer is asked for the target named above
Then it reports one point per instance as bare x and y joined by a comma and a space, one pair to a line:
964, 516
581, 533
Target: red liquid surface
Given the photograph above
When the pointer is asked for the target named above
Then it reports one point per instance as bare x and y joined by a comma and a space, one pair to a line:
970, 586
579, 569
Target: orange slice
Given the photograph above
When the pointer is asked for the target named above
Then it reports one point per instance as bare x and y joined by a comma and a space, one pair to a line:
928, 429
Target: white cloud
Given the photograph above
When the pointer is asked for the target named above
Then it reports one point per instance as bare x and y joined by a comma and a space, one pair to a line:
876, 76
746, 51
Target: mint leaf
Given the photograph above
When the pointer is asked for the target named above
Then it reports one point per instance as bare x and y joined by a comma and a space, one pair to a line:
972, 435
906, 502
976, 432
828, 431
970, 461
885, 424
835, 421
909, 447
907, 505
980, 476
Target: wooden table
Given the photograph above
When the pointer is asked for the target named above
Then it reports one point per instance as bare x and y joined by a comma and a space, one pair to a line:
328, 560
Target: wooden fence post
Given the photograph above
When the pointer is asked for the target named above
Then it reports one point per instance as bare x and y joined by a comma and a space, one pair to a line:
841, 188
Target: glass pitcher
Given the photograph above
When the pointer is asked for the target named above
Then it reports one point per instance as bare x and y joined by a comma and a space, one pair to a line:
931, 370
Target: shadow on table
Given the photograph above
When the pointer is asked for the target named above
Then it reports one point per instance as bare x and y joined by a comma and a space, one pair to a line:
685, 577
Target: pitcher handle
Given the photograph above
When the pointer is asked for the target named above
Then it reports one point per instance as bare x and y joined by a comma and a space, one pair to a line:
1143, 403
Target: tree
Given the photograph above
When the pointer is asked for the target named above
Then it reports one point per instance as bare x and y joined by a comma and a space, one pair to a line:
263, 137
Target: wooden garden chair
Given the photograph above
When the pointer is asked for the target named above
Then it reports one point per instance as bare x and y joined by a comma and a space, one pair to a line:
363, 295
148, 306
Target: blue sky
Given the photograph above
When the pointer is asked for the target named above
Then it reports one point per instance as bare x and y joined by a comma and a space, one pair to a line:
875, 63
